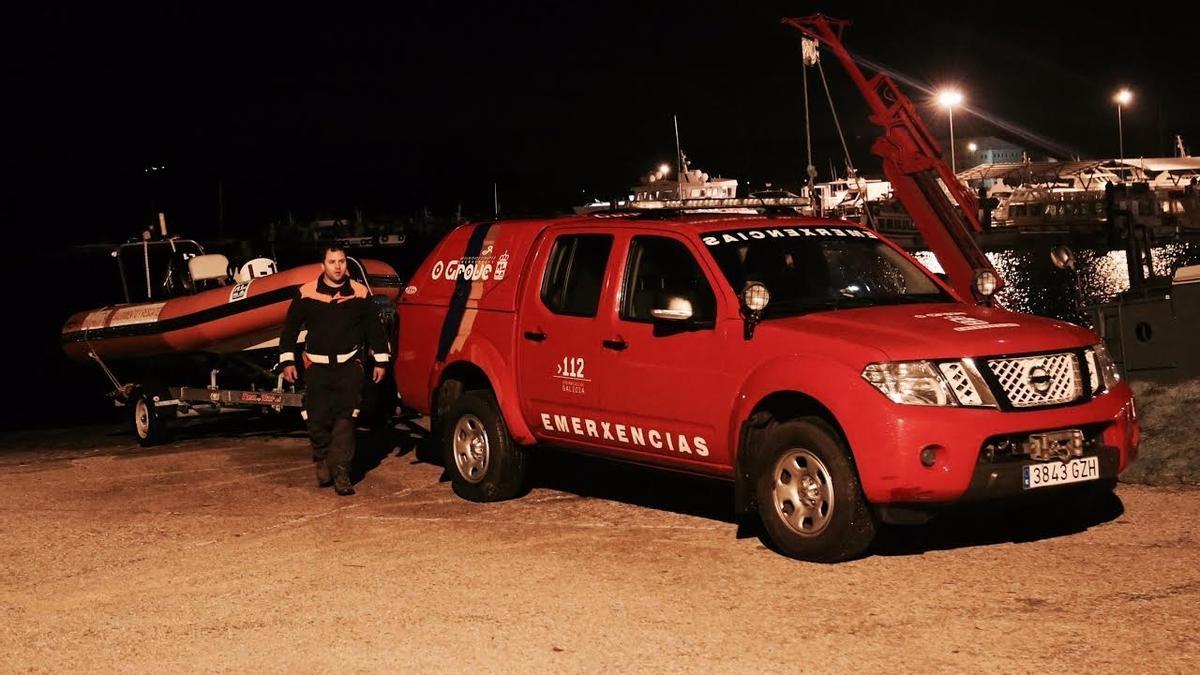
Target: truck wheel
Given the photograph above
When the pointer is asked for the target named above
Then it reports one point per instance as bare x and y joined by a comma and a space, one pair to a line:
148, 424
809, 497
484, 463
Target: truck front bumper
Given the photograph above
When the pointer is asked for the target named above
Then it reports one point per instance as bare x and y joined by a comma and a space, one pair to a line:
964, 442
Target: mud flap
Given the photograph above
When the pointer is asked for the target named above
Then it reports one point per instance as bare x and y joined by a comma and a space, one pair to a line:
750, 437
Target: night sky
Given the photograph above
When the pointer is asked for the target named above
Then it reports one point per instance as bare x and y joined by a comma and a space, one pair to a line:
317, 113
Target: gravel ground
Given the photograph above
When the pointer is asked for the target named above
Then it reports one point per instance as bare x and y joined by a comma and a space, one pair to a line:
217, 553
1170, 451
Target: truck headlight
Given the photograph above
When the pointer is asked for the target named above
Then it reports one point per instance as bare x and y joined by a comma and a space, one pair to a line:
1103, 372
910, 382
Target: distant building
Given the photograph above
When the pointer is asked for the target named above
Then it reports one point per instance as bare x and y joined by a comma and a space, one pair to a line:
988, 150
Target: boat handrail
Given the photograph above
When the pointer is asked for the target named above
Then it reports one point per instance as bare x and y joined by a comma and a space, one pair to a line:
363, 272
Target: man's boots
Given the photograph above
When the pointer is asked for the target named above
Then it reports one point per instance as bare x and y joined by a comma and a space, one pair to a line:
324, 475
341, 482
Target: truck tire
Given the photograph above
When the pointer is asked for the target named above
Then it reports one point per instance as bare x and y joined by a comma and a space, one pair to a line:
808, 494
484, 463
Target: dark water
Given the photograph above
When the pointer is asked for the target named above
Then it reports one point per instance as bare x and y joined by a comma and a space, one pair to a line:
1036, 286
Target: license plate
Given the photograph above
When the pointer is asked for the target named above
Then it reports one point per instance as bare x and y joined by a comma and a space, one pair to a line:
1061, 473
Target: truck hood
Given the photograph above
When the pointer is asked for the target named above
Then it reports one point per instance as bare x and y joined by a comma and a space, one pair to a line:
934, 331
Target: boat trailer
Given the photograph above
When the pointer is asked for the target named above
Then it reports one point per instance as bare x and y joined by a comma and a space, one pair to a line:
152, 409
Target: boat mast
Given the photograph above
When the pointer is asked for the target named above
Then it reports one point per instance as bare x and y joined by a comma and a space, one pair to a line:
146, 264
678, 160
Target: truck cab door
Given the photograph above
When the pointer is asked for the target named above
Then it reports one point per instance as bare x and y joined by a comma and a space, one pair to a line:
667, 390
558, 341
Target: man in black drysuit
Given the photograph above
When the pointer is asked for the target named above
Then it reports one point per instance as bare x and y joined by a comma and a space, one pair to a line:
340, 320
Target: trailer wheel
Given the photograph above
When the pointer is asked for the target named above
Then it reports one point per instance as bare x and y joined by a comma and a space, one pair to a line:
809, 498
484, 463
149, 424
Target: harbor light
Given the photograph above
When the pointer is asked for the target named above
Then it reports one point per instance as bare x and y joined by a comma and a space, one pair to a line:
664, 169
948, 98
972, 147
1122, 98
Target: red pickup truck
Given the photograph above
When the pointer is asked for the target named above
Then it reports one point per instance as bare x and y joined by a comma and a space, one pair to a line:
815, 364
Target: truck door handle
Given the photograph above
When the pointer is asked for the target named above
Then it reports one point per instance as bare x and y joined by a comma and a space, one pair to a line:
615, 345
535, 335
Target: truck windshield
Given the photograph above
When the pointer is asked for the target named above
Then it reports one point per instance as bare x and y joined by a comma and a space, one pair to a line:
810, 273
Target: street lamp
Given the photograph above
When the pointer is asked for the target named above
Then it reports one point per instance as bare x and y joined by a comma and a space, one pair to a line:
948, 98
1122, 99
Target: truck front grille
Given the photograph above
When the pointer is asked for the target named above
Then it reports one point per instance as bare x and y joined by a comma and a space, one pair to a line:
1043, 380
964, 389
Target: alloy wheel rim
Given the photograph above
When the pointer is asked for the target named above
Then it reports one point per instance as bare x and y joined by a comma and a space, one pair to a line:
802, 492
472, 451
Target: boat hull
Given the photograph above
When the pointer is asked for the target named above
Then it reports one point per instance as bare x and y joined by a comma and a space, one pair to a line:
219, 321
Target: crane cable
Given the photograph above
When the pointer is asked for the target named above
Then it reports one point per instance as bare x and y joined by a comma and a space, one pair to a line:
810, 55
845, 149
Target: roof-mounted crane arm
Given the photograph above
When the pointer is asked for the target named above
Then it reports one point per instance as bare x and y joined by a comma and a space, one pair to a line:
912, 161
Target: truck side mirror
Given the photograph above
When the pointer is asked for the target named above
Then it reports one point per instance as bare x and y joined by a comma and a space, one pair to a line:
677, 308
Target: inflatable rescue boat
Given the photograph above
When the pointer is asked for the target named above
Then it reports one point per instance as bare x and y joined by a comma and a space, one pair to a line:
181, 300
